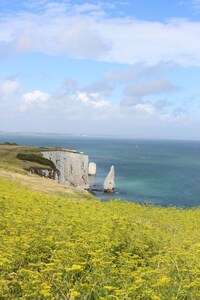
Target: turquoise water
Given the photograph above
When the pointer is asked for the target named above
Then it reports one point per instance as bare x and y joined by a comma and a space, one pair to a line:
160, 172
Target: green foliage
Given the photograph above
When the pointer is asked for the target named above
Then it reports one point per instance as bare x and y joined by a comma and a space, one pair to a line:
56, 247
10, 144
36, 159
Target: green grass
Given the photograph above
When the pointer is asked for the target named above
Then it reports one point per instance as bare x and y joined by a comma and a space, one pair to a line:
13, 169
71, 246
23, 157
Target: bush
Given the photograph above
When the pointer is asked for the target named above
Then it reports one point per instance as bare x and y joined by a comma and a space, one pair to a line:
37, 159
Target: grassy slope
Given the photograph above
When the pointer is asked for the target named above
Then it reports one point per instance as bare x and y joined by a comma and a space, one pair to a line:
58, 243
9, 161
18, 158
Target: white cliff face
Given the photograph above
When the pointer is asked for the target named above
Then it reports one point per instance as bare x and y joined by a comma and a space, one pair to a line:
109, 183
72, 167
92, 169
52, 174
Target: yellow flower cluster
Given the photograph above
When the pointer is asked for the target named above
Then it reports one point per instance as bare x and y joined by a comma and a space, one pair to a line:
56, 247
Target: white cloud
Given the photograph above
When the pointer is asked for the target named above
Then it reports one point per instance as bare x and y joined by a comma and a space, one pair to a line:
8, 87
136, 91
87, 107
87, 7
91, 99
139, 79
76, 110
124, 75
79, 39
149, 87
59, 34
145, 107
136, 84
34, 99
103, 86
152, 42
24, 42
80, 108
9, 92
85, 31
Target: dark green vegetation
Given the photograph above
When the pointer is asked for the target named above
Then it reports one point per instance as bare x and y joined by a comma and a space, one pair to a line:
36, 158
10, 144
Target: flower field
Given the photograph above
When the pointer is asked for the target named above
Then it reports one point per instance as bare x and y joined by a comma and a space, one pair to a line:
61, 246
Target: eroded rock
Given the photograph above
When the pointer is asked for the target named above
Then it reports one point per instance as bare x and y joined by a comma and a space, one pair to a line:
109, 183
72, 167
92, 169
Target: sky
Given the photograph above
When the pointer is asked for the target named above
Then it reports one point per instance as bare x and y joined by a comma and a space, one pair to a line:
127, 68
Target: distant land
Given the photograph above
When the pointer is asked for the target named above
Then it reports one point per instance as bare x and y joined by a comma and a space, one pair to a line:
98, 135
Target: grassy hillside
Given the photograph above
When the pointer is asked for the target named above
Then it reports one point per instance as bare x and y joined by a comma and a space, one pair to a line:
57, 243
15, 158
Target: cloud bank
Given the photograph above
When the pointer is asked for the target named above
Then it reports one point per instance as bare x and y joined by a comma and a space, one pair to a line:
142, 106
87, 31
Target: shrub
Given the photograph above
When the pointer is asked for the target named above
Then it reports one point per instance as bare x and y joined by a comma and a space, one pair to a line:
36, 158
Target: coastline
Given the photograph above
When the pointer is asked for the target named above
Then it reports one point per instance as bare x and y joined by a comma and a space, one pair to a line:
160, 172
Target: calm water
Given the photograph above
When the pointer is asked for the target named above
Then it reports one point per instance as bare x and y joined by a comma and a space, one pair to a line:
160, 172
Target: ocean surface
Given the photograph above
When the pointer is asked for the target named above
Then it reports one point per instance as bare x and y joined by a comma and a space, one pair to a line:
147, 171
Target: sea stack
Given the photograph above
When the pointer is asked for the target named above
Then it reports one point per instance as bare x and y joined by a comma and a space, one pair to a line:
92, 169
109, 183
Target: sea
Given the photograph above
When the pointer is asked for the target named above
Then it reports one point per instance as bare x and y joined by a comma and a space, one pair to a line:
160, 172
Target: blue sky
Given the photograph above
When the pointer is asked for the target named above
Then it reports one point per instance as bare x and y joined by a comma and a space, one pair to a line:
128, 68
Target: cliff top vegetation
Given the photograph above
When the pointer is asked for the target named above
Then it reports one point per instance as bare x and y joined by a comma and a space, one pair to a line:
18, 158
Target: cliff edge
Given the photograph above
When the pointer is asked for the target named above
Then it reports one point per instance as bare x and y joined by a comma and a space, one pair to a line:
72, 168
67, 167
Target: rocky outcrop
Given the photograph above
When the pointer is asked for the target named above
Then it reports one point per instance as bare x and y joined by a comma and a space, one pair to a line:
109, 183
52, 174
72, 168
92, 169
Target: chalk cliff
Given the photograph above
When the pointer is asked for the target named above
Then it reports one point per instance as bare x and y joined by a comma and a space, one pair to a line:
52, 174
72, 168
92, 169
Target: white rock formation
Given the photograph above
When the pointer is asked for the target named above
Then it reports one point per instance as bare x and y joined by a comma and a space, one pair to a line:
52, 174
72, 167
109, 183
92, 169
